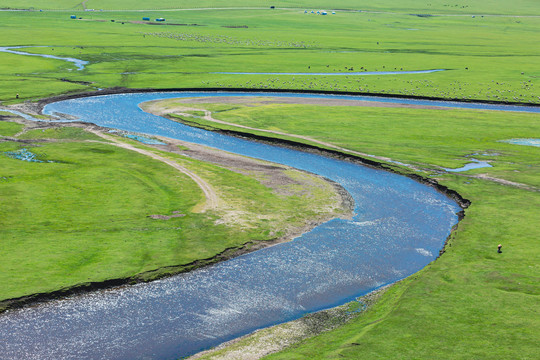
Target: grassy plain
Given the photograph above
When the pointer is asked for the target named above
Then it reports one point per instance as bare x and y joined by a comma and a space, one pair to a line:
491, 58
472, 302
422, 137
85, 216
528, 7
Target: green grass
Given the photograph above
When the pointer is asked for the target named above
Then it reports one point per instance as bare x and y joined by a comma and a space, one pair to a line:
528, 7
84, 217
488, 58
8, 128
472, 302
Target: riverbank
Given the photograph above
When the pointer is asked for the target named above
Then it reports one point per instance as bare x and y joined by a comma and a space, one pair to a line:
490, 296
276, 338
36, 108
275, 177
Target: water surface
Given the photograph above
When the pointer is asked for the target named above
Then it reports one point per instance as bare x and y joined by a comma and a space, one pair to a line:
526, 142
398, 228
475, 164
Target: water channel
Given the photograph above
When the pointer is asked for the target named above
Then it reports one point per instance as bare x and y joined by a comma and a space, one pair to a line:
398, 228
80, 64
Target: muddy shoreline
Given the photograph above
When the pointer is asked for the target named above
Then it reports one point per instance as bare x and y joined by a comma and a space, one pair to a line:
37, 107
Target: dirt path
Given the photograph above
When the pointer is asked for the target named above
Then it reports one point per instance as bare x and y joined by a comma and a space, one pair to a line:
505, 182
212, 200
156, 110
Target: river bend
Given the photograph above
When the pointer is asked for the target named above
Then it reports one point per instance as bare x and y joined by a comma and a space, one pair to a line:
398, 228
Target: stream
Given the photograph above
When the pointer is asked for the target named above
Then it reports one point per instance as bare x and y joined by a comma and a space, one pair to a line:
399, 227
80, 64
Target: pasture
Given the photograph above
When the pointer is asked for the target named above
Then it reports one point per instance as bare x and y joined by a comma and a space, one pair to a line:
89, 211
485, 57
470, 303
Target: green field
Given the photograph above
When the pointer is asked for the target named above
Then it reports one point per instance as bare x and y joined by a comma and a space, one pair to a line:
472, 303
494, 58
83, 213
529, 7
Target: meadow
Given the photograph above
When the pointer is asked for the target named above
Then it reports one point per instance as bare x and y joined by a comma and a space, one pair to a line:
436, 6
470, 303
82, 212
485, 57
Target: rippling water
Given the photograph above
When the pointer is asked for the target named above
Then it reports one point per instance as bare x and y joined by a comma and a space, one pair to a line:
399, 227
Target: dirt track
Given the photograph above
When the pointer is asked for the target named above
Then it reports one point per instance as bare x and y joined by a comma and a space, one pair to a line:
212, 199
154, 108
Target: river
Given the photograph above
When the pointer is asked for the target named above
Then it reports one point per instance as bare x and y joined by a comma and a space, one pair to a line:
398, 228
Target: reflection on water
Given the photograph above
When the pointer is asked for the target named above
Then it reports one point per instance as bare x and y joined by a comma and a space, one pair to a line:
399, 227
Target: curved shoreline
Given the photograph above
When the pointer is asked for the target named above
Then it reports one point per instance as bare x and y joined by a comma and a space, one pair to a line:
38, 105
346, 204
228, 253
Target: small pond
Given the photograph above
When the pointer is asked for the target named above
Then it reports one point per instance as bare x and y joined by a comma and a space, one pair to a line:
475, 164
526, 142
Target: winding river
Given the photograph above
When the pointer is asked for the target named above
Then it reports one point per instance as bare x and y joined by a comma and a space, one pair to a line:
80, 64
398, 228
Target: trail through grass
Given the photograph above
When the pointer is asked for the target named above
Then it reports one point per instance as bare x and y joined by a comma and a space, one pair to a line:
86, 213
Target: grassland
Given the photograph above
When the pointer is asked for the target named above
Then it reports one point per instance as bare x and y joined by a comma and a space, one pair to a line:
528, 7
493, 58
83, 214
472, 302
